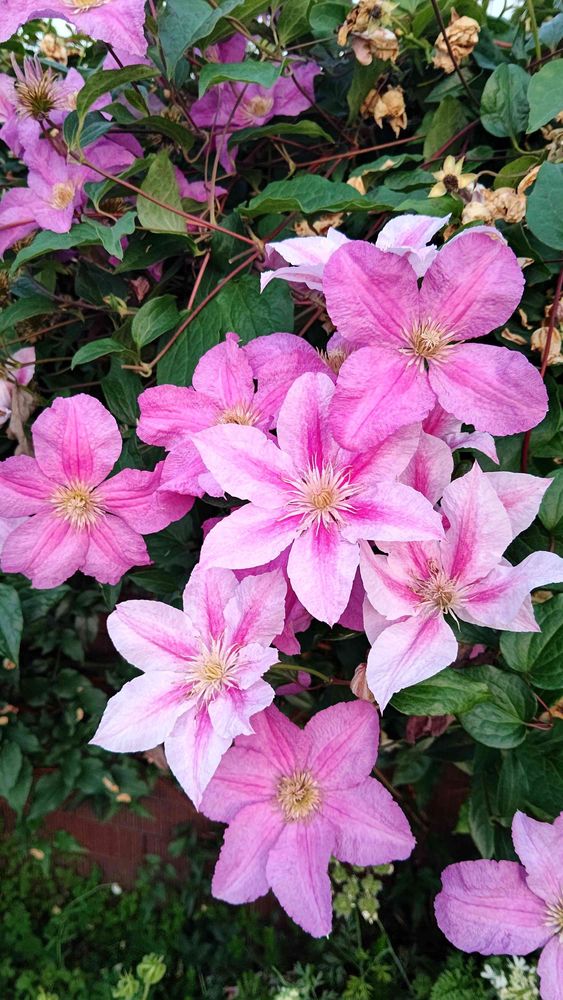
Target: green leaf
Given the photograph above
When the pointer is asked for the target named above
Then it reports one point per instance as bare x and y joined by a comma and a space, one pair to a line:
305, 127
480, 811
512, 173
183, 24
49, 793
307, 193
121, 389
161, 183
551, 510
504, 101
96, 349
84, 234
539, 653
110, 236
155, 317
448, 119
544, 212
240, 307
172, 130
545, 94
293, 20
447, 693
11, 622
500, 722
25, 308
152, 248
11, 759
103, 81
541, 757
94, 127
251, 71
512, 785
326, 18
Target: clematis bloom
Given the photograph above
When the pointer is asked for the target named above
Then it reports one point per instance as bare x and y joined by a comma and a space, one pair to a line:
415, 585
202, 671
507, 908
310, 494
292, 798
412, 351
75, 517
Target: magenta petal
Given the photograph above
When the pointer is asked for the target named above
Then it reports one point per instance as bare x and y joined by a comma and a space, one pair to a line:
76, 439
493, 388
408, 652
170, 414
550, 970
303, 428
152, 636
321, 569
377, 392
472, 287
240, 872
430, 469
142, 713
371, 828
135, 496
277, 361
297, 870
357, 280
479, 530
486, 906
193, 751
540, 849
246, 463
23, 487
256, 610
113, 549
344, 741
247, 538
45, 548
243, 777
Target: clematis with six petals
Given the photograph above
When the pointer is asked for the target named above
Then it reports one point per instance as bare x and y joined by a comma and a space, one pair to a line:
202, 671
311, 496
511, 908
292, 798
75, 517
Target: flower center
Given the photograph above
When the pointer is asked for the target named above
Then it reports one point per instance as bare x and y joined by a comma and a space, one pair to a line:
438, 592
451, 182
427, 341
36, 90
555, 917
84, 4
240, 413
78, 504
62, 194
335, 359
213, 670
321, 496
256, 107
298, 796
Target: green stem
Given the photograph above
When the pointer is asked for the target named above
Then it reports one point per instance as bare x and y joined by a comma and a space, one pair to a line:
534, 24
306, 670
394, 955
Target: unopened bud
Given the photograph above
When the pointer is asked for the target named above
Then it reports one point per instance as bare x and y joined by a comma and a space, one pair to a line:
359, 684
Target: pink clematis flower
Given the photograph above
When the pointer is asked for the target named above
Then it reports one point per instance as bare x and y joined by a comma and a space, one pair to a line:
17, 370
77, 518
412, 341
506, 908
309, 494
118, 22
415, 585
222, 392
292, 798
202, 671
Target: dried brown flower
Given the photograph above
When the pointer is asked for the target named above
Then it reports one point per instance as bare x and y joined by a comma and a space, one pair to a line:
389, 106
462, 34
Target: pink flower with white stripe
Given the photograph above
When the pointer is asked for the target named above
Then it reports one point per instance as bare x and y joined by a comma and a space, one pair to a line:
75, 517
412, 341
292, 798
311, 496
507, 908
202, 671
415, 586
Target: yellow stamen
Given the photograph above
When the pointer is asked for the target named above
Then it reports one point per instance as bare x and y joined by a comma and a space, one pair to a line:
298, 796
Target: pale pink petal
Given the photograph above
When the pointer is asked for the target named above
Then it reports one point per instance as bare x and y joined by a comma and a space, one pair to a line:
246, 463
231, 711
374, 623
392, 512
171, 414
388, 586
479, 530
357, 282
495, 389
474, 441
23, 487
8, 524
321, 568
520, 495
206, 595
472, 287
143, 713
303, 427
371, 827
307, 249
407, 235
45, 548
540, 849
240, 872
76, 439
193, 751
376, 393
550, 970
113, 548
244, 776
387, 459
486, 906
184, 472
253, 661
304, 850
430, 469
224, 374
133, 495
152, 636
247, 538
277, 361
256, 610
500, 600
343, 744
408, 652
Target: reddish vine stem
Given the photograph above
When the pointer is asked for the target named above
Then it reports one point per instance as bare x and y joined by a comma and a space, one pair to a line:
545, 359
436, 156
357, 152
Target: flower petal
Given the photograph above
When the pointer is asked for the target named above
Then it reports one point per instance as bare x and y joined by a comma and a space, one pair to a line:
206, 595
392, 512
408, 652
479, 530
550, 970
303, 428
486, 906
277, 361
231, 711
540, 849
240, 872
495, 389
152, 636
23, 487
171, 414
247, 538
321, 569
224, 374
246, 463
46, 549
244, 776
388, 584
343, 744
256, 610
520, 495
193, 751
371, 828
134, 495
143, 713
430, 469
303, 850
113, 549
76, 439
